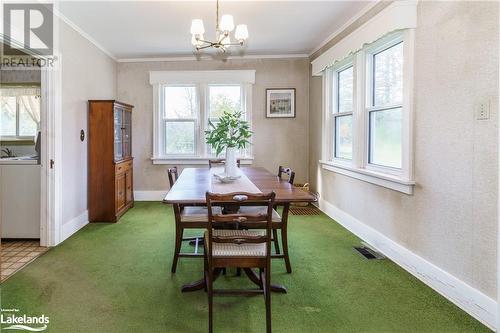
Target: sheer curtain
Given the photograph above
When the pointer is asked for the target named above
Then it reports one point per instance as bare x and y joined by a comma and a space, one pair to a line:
31, 104
29, 98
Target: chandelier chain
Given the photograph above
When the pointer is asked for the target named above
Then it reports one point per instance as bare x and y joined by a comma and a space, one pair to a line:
217, 16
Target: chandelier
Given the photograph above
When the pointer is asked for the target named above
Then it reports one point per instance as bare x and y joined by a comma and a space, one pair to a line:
222, 29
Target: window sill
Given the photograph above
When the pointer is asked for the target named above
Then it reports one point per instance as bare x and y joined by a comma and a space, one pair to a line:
193, 160
388, 181
17, 141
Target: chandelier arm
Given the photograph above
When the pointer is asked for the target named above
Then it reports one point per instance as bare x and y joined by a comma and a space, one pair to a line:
206, 41
204, 47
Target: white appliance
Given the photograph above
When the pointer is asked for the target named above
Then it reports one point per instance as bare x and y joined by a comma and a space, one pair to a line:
20, 198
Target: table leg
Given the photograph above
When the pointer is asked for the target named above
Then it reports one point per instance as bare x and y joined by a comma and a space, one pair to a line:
254, 277
199, 284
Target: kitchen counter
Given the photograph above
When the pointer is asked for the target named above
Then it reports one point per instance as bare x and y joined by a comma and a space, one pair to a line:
22, 160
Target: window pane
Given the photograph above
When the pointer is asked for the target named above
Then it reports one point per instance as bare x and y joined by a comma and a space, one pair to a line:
345, 93
180, 102
343, 137
224, 98
388, 76
385, 137
29, 112
7, 116
180, 138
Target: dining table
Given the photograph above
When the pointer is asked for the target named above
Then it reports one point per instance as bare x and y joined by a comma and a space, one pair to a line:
193, 183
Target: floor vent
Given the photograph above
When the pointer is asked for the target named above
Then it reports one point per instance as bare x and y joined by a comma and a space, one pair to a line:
308, 210
368, 253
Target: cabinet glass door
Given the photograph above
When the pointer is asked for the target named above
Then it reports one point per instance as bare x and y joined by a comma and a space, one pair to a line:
127, 133
118, 133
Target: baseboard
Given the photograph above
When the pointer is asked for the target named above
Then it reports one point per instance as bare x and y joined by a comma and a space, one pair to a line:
73, 225
469, 299
149, 195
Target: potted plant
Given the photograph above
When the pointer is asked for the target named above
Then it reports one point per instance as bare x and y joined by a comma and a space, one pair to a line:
230, 133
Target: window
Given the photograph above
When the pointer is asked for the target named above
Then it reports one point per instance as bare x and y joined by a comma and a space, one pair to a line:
223, 98
185, 103
368, 110
180, 114
19, 112
343, 94
385, 107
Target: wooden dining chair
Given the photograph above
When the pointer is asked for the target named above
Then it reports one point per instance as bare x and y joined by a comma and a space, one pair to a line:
220, 162
186, 217
230, 246
280, 222
288, 172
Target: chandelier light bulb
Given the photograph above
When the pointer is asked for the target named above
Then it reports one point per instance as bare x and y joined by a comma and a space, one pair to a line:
226, 23
241, 32
197, 27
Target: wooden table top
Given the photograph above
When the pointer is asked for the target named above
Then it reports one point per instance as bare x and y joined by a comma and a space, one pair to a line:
193, 183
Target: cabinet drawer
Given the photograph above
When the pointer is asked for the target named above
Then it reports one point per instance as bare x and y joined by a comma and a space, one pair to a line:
123, 167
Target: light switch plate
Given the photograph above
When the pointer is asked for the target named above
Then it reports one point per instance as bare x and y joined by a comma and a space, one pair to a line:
483, 110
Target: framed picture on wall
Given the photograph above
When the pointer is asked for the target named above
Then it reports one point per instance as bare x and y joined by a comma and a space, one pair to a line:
280, 103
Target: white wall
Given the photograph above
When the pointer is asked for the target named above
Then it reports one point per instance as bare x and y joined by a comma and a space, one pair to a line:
87, 73
451, 220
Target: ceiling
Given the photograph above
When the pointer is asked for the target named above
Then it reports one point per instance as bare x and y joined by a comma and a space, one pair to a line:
141, 29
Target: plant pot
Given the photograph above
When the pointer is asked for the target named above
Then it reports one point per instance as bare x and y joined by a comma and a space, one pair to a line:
231, 166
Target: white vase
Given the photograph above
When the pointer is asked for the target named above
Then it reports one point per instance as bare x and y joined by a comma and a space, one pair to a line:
231, 166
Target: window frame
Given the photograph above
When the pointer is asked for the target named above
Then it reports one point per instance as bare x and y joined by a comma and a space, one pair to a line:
203, 81
360, 167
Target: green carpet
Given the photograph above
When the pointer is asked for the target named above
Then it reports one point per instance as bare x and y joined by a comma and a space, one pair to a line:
116, 278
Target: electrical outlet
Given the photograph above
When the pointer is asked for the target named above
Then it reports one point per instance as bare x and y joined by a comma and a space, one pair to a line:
483, 110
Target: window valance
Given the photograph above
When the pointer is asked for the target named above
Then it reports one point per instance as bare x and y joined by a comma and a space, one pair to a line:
397, 16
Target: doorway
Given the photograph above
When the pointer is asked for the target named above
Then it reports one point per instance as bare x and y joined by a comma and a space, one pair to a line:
20, 168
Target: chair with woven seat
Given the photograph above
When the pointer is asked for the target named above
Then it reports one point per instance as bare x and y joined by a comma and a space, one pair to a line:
279, 222
220, 162
242, 246
288, 172
186, 217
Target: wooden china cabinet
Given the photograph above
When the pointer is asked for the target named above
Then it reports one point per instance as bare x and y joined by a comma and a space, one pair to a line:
110, 168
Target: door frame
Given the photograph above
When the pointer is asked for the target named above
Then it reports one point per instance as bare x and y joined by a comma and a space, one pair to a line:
51, 150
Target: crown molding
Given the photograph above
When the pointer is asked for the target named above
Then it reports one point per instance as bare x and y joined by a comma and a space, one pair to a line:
208, 58
353, 19
83, 33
